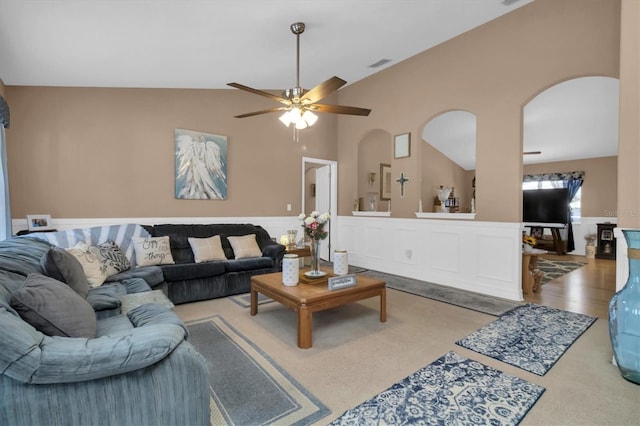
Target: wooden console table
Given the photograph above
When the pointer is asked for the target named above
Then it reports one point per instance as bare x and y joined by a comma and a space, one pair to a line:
559, 245
302, 252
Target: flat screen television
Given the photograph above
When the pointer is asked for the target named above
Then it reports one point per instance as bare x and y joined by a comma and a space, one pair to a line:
545, 205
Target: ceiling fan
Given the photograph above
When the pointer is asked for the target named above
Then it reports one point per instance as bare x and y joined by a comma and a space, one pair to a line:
300, 104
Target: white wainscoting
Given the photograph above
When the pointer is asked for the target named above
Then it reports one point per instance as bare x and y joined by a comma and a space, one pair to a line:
484, 257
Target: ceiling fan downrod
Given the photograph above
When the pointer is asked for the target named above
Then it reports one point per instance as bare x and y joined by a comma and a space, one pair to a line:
297, 29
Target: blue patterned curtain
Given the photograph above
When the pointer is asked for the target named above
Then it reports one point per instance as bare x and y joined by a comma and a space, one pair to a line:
572, 181
5, 208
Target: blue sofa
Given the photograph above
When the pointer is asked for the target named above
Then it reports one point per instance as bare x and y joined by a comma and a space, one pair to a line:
138, 368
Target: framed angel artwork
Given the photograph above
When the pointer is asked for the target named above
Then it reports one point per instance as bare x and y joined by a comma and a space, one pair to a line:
201, 165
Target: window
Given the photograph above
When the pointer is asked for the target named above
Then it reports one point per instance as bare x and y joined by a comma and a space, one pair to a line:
575, 203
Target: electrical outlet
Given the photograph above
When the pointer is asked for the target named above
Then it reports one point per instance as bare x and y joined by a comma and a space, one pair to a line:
408, 253
288, 207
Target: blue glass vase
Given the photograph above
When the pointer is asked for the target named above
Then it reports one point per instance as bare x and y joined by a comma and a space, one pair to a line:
624, 315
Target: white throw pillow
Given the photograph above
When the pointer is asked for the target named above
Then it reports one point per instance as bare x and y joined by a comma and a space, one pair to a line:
205, 249
245, 246
94, 269
152, 251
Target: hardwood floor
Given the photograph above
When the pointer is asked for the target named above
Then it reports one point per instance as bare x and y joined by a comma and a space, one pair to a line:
586, 290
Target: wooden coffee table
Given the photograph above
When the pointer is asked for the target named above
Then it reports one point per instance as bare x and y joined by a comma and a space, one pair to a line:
308, 298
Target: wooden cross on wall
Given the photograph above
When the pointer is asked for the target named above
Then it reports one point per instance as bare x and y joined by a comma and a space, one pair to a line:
402, 180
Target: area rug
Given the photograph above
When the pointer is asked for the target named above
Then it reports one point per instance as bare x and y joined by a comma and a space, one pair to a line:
247, 386
465, 299
453, 390
556, 268
531, 337
244, 299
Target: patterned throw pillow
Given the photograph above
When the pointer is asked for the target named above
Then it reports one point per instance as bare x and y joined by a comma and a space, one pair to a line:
152, 251
205, 249
94, 270
245, 246
110, 255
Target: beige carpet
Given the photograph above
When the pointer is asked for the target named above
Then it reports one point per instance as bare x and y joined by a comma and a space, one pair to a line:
354, 356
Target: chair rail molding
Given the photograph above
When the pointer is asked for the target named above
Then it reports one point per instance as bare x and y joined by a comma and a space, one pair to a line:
483, 257
275, 225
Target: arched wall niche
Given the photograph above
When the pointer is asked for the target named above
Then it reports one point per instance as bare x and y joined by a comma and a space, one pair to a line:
572, 119
448, 158
574, 124
374, 149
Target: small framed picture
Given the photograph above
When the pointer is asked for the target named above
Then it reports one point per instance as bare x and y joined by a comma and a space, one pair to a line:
39, 222
402, 145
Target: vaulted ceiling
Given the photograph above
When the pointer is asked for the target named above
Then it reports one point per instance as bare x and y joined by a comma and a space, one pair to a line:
206, 44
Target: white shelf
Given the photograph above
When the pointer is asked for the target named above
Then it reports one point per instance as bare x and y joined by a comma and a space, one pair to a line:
455, 216
374, 214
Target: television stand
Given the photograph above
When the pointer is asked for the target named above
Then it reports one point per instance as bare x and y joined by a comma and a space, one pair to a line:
556, 244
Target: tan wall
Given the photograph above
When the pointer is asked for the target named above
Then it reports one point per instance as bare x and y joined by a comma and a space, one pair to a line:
600, 187
629, 143
84, 152
373, 150
2, 88
491, 71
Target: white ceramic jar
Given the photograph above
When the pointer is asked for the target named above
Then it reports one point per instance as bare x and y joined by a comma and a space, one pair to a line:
340, 262
290, 270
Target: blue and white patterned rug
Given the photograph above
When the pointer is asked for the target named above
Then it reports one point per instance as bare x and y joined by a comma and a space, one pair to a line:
531, 337
453, 390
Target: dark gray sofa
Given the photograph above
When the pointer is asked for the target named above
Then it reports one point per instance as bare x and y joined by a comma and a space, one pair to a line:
187, 281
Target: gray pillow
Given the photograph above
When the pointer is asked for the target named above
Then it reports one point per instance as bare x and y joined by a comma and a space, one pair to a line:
54, 308
61, 265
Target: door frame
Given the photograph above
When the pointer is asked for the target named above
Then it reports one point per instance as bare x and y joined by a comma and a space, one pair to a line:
333, 203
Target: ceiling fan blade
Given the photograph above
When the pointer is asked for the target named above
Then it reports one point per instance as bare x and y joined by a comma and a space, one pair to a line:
265, 111
259, 92
339, 109
323, 90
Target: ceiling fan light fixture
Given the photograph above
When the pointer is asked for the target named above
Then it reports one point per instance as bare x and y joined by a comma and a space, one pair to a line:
300, 117
284, 118
310, 118
301, 124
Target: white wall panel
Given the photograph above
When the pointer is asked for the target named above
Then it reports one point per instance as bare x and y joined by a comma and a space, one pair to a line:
445, 251
484, 257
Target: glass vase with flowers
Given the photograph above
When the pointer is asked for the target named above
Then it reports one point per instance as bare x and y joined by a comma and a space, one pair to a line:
314, 228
